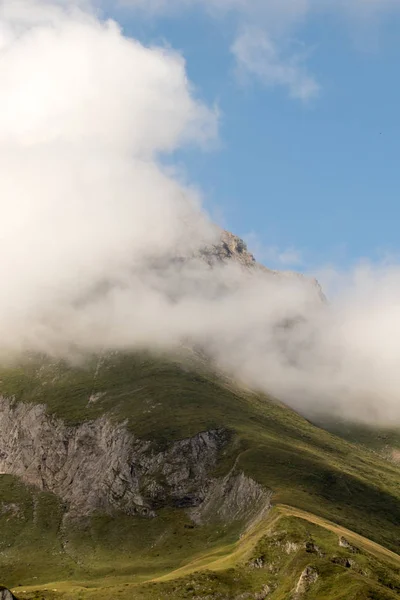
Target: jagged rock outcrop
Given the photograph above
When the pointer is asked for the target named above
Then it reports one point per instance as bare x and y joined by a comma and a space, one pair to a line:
101, 466
343, 561
343, 543
308, 577
312, 548
231, 498
233, 248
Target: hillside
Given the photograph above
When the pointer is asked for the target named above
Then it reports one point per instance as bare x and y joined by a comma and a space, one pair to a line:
383, 440
125, 468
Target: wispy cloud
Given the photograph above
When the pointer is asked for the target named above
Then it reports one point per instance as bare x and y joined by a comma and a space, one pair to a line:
262, 31
273, 256
91, 226
257, 55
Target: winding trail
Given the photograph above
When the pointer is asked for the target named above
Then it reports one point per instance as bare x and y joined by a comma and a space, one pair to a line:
228, 556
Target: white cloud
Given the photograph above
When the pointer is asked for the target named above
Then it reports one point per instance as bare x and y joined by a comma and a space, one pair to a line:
84, 113
256, 54
90, 223
76, 78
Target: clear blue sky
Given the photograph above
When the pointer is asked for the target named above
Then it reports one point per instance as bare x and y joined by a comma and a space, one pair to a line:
320, 175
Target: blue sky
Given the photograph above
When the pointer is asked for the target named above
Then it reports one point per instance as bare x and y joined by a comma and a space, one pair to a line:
308, 181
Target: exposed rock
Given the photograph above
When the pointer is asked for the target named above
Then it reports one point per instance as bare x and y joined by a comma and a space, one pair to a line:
343, 543
232, 498
291, 547
93, 398
394, 455
231, 247
5, 594
343, 561
257, 563
100, 466
273, 568
312, 548
266, 590
263, 594
308, 577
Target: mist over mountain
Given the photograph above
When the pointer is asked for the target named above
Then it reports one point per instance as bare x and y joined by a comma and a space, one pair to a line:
160, 387
103, 246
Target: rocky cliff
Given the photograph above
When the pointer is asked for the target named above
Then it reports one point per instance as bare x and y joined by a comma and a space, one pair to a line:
100, 466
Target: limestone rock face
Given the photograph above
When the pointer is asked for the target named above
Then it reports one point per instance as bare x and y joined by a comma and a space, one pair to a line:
231, 498
100, 466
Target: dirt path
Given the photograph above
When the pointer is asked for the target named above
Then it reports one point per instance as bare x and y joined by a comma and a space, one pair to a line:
358, 540
229, 556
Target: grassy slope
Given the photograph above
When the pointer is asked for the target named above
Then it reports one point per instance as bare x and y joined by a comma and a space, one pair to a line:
383, 440
306, 467
375, 572
228, 572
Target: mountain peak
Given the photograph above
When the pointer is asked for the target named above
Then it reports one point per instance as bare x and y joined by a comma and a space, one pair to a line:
231, 247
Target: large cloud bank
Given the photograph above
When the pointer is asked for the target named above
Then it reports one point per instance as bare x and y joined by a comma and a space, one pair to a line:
92, 227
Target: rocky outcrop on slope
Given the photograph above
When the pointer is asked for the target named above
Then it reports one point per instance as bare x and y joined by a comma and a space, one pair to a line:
343, 543
308, 577
231, 498
100, 466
